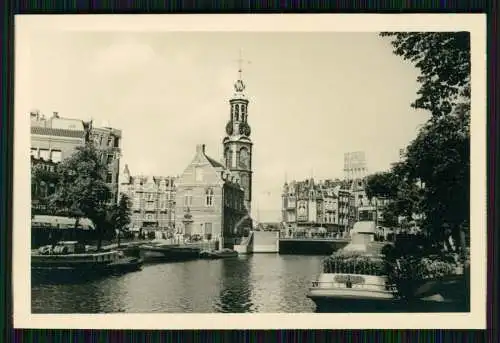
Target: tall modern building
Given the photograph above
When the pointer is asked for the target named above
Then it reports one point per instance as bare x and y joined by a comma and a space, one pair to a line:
152, 199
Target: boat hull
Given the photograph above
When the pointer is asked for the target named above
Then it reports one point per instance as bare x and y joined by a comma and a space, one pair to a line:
168, 254
78, 267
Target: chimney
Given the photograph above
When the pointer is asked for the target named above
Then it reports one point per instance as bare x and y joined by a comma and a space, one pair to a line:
55, 114
200, 148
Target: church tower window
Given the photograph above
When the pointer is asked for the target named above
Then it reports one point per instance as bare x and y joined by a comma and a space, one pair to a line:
237, 114
228, 155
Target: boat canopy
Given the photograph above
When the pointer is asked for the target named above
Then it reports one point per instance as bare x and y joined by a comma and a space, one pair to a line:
57, 222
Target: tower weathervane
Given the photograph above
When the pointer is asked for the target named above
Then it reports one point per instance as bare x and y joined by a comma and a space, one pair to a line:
240, 64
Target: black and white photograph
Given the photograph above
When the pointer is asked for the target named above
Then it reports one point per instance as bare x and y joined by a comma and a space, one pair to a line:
213, 166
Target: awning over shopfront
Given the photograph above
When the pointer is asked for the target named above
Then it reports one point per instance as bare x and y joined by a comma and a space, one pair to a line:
56, 222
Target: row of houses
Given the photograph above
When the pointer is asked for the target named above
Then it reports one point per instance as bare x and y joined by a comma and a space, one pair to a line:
210, 199
334, 205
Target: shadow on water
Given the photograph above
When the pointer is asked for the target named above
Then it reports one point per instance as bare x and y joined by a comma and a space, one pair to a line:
235, 292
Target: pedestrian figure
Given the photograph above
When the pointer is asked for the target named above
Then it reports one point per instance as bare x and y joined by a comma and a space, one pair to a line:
348, 283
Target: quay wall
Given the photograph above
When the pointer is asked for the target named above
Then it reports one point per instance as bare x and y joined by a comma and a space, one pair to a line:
310, 246
266, 242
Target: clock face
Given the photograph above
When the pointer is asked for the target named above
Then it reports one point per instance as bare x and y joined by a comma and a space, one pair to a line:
244, 129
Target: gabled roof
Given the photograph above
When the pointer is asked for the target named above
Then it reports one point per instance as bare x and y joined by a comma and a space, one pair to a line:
214, 163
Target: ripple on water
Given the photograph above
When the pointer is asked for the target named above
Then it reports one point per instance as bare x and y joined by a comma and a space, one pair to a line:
254, 283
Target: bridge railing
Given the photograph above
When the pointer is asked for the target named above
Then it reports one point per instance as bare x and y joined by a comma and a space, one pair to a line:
305, 235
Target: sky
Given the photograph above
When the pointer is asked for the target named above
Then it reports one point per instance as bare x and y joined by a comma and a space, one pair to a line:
313, 97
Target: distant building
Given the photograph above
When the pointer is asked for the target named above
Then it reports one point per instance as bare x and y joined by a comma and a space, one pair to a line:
209, 200
56, 138
355, 165
312, 204
152, 200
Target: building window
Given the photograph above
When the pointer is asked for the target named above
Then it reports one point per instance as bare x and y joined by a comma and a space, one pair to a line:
137, 202
208, 228
228, 155
109, 178
209, 197
110, 142
243, 112
188, 198
56, 156
45, 154
117, 142
237, 112
163, 185
198, 172
109, 159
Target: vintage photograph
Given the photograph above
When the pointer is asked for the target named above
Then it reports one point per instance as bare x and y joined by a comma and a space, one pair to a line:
249, 172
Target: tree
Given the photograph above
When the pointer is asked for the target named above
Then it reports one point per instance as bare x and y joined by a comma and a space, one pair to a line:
444, 62
121, 215
82, 189
439, 157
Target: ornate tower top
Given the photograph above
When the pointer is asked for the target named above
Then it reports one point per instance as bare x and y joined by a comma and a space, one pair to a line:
239, 85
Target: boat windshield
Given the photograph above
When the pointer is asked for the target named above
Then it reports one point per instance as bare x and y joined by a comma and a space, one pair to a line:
354, 264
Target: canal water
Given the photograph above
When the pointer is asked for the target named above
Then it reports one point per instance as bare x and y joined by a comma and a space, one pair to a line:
252, 283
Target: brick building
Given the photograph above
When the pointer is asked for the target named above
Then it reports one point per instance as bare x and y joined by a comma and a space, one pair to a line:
152, 199
56, 138
210, 200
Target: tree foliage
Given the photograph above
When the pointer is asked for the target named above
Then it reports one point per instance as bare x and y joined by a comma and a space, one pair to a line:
439, 157
82, 189
121, 213
444, 62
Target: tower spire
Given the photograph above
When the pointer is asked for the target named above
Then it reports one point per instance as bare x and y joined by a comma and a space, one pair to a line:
241, 61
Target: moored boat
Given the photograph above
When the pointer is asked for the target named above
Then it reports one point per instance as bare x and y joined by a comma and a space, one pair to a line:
161, 252
218, 254
73, 257
353, 280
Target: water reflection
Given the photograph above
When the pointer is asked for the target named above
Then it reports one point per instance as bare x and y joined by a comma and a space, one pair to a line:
254, 283
235, 287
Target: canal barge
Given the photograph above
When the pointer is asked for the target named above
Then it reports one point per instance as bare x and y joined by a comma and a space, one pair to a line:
218, 254
165, 252
70, 256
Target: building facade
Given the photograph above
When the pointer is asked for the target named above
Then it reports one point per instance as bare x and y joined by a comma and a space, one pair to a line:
108, 141
210, 201
311, 203
43, 185
152, 200
56, 138
237, 145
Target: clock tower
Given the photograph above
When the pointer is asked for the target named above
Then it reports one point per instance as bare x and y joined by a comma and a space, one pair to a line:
237, 143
